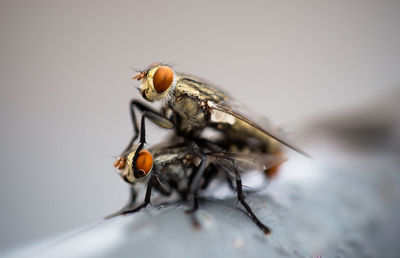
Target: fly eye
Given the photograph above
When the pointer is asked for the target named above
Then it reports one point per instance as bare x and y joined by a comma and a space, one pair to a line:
144, 162
163, 78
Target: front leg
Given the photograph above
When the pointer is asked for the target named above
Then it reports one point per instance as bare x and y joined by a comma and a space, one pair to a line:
153, 115
146, 198
155, 180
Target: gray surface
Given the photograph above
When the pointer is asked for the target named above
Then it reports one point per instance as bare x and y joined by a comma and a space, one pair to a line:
339, 209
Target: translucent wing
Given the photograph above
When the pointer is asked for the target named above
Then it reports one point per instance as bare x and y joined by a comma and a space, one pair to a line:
245, 162
168, 152
225, 109
262, 124
228, 109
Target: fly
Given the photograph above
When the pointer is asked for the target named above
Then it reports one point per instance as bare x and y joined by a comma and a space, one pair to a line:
173, 165
191, 104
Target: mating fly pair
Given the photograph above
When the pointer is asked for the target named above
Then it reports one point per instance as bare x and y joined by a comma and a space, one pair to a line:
190, 106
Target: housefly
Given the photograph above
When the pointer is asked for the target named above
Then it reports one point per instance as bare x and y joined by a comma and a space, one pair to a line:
172, 165
191, 104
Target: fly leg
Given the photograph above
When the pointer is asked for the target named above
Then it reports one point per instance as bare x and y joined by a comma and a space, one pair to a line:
142, 107
230, 183
128, 208
146, 198
195, 184
229, 165
242, 200
153, 115
154, 180
142, 140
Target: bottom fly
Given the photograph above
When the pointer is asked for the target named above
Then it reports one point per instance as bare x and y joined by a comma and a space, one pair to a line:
172, 166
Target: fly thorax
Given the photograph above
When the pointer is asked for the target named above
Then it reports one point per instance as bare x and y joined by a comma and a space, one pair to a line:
191, 111
174, 172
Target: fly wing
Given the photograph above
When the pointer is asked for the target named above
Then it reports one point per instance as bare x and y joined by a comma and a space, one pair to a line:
262, 124
246, 162
229, 109
168, 153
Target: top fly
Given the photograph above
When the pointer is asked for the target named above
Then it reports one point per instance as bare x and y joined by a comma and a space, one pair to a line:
191, 105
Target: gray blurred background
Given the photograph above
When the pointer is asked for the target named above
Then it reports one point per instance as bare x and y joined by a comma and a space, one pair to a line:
66, 67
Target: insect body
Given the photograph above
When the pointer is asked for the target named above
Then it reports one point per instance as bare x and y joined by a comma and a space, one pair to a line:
173, 165
192, 104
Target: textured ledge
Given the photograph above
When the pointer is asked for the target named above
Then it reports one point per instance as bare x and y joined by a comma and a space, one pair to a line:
314, 208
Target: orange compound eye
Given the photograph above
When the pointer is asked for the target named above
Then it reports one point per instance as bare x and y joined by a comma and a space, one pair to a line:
163, 78
144, 161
